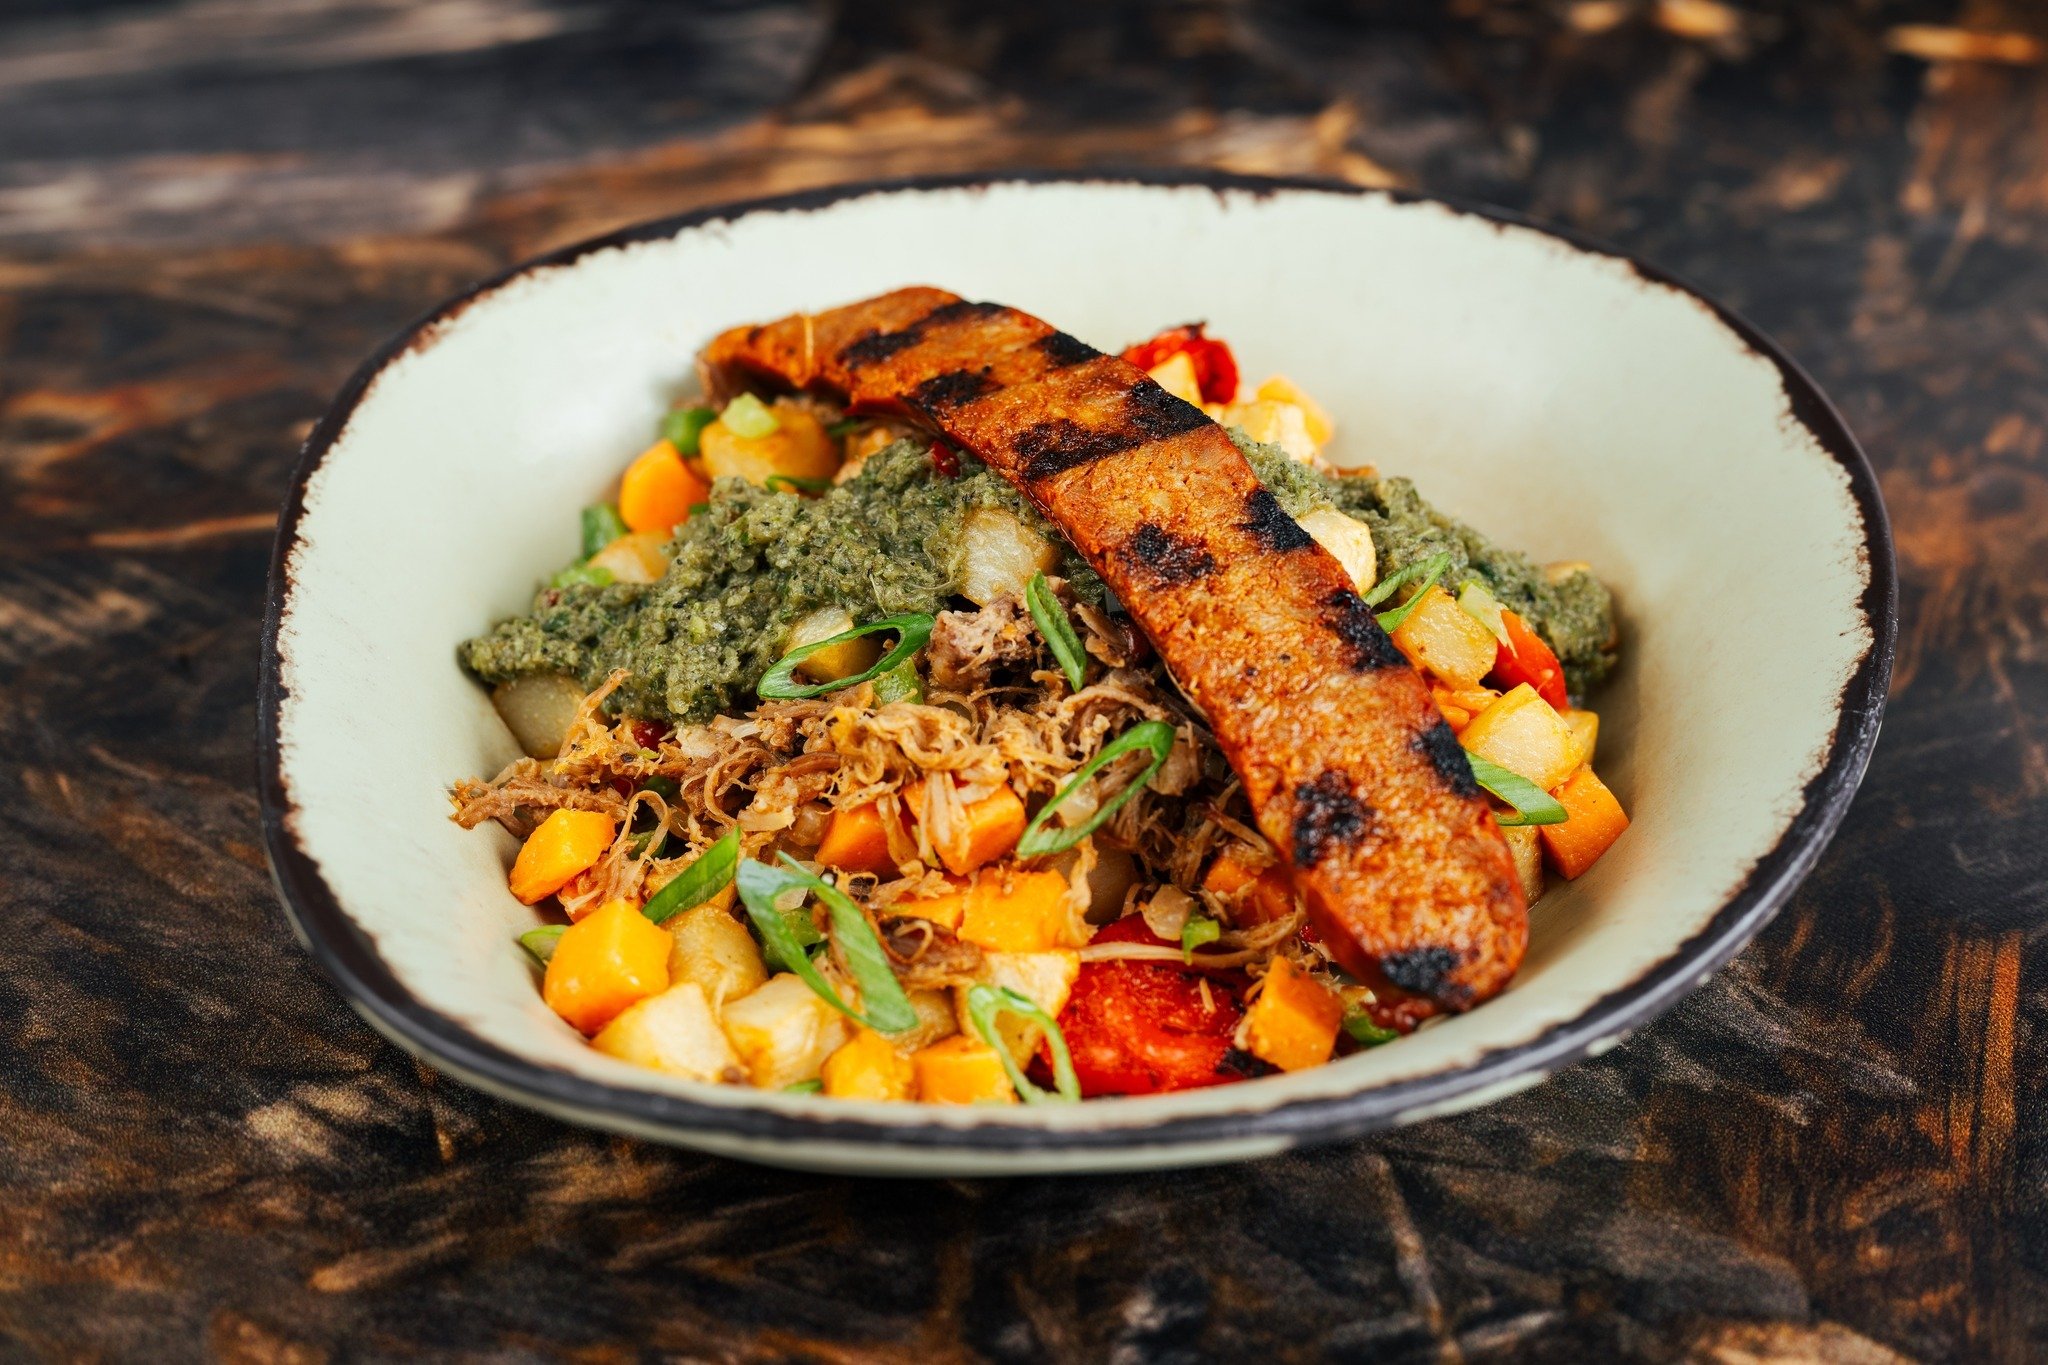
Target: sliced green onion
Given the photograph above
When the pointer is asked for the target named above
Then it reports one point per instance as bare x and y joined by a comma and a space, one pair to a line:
809, 1087
779, 683
667, 788
1365, 1032
845, 426
1057, 629
601, 526
704, 878
1199, 929
888, 1008
595, 576
900, 683
1155, 735
792, 483
748, 416
985, 1002
696, 508
1533, 805
684, 426
540, 943
1428, 570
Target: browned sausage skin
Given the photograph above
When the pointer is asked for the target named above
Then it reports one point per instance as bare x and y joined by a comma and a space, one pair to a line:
1352, 773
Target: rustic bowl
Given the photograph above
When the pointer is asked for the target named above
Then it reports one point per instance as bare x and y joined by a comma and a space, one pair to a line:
1572, 401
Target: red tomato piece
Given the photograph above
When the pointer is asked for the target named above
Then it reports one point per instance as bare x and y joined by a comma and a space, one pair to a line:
1138, 1028
649, 733
1215, 366
1526, 659
945, 460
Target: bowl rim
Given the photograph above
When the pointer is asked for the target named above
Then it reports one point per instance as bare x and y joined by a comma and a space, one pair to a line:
315, 914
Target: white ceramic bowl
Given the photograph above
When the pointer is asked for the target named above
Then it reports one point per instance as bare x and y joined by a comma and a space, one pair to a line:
1570, 401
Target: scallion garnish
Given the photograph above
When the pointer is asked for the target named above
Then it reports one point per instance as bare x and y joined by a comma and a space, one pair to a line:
845, 426
793, 483
1533, 805
1155, 735
748, 416
809, 1087
888, 1009
540, 943
1199, 929
779, 683
699, 882
684, 426
1365, 1032
985, 1002
601, 526
1057, 629
1428, 570
900, 683
595, 576
667, 788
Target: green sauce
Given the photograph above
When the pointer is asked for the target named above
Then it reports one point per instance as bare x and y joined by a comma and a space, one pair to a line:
889, 541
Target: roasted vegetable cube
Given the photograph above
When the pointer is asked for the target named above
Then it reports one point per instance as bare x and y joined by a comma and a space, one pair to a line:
564, 844
961, 1070
783, 1032
715, 952
675, 1032
604, 962
1521, 733
1443, 638
868, 1067
1293, 1022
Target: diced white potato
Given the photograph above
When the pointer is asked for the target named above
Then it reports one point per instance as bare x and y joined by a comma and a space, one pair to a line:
797, 448
834, 662
1280, 389
1046, 979
1349, 539
1486, 607
1523, 734
1176, 374
637, 557
538, 709
1563, 570
675, 1032
1442, 637
1527, 847
783, 1032
935, 1020
1000, 554
1586, 730
1279, 424
715, 952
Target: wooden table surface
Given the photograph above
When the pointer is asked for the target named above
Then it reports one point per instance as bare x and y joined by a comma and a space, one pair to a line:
1837, 1150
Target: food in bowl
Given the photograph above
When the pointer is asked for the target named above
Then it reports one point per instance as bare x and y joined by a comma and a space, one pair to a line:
948, 711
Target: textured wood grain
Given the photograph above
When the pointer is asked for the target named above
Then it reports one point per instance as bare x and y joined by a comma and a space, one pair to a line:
1835, 1151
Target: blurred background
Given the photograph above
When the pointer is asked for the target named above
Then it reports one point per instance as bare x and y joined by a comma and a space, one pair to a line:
211, 210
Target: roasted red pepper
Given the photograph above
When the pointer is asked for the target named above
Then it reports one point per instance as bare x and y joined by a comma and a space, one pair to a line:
945, 460
1526, 659
1215, 366
1138, 1028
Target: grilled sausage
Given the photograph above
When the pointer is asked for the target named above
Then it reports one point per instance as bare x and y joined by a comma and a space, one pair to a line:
1351, 771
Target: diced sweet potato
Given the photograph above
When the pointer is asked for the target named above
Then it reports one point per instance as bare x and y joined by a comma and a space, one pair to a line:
1280, 389
1271, 896
658, 490
1596, 821
1444, 639
565, 843
868, 1068
641, 557
604, 962
833, 662
961, 1070
994, 825
797, 448
856, 841
946, 910
1293, 1022
1012, 911
1523, 734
